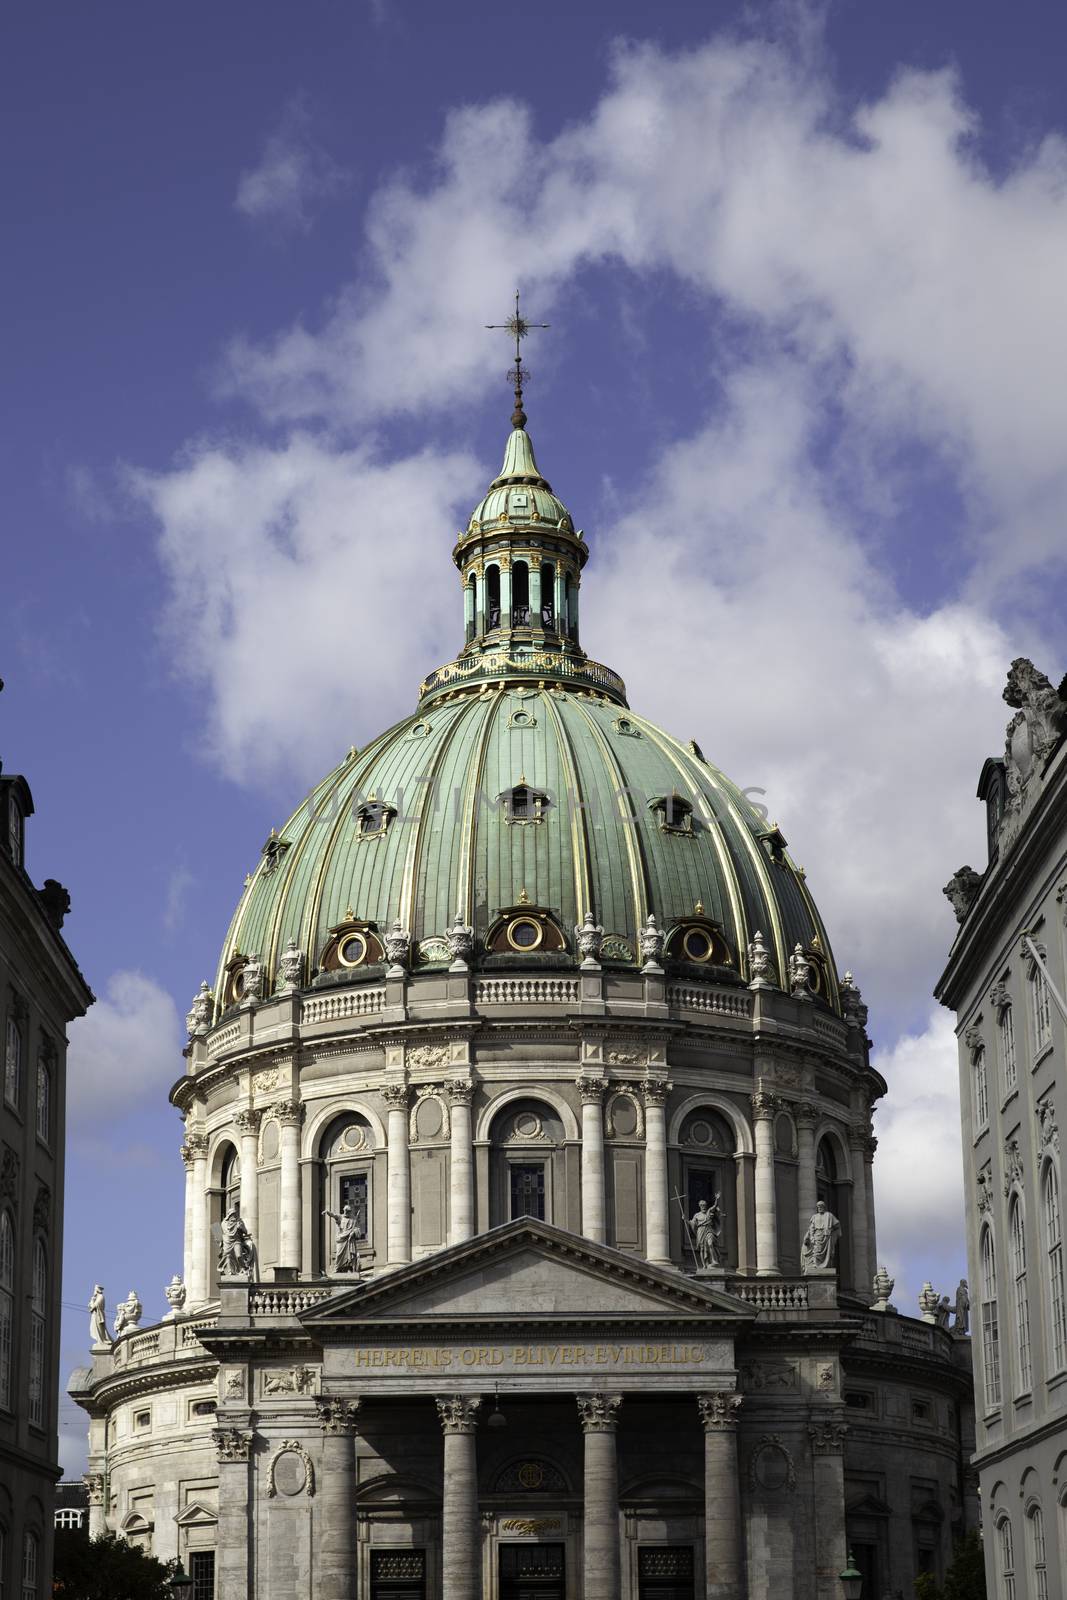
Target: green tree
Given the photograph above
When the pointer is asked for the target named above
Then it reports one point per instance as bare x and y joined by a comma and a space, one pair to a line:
106, 1569
965, 1578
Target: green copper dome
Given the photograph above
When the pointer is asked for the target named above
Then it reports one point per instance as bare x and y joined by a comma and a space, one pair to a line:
532, 784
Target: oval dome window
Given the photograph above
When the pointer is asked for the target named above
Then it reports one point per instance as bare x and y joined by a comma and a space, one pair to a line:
353, 950
696, 945
524, 934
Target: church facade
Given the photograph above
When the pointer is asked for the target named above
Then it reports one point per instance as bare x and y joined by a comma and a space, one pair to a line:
530, 1238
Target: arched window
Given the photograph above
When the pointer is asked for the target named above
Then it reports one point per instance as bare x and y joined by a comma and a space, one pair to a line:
38, 1333
13, 1063
44, 1100
1039, 1003
981, 1088
346, 1180
1054, 1246
528, 1177
7, 1306
707, 1143
31, 1565
1017, 1236
1035, 1539
570, 608
1006, 1034
492, 598
1006, 1554
520, 595
548, 596
990, 1323
231, 1180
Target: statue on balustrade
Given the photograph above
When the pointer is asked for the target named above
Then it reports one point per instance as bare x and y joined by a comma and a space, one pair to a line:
98, 1333
818, 1252
707, 1233
237, 1251
351, 1223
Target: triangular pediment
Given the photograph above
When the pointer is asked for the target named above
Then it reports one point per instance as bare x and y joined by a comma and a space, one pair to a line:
196, 1515
527, 1269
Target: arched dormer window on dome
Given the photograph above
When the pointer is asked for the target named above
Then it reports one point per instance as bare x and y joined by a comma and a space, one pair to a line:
525, 930
352, 944
700, 941
674, 812
373, 818
523, 803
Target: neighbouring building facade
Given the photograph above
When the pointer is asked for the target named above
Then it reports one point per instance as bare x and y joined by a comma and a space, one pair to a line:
529, 1072
1006, 980
41, 992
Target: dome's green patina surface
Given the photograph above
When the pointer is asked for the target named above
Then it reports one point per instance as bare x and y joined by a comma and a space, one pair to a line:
450, 847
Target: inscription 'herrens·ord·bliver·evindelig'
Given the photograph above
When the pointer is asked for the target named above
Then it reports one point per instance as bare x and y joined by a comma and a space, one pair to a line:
444, 1358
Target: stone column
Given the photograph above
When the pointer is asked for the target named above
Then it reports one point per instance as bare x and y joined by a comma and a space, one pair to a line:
336, 1555
765, 1108
657, 1219
232, 1577
480, 614
94, 1483
197, 1281
868, 1184
247, 1124
190, 1211
807, 1192
535, 592
561, 592
572, 620
289, 1115
592, 1093
505, 591
861, 1277
722, 1500
831, 1550
468, 610
396, 1097
601, 1567
461, 1216
460, 1528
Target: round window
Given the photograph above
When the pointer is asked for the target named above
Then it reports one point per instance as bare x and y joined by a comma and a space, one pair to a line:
525, 934
237, 984
352, 951
696, 945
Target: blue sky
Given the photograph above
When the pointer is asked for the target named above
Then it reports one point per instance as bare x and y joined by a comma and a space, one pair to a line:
803, 389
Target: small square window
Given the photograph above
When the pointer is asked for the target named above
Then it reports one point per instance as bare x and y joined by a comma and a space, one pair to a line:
142, 1419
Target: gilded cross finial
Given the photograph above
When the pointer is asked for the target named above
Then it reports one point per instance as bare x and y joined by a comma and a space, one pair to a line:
518, 374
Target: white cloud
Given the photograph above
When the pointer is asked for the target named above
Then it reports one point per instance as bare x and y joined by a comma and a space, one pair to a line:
293, 176
310, 589
918, 1171
124, 1053
873, 235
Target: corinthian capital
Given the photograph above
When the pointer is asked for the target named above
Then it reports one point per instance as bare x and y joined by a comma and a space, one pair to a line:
460, 1091
592, 1090
290, 1113
599, 1413
337, 1416
194, 1148
765, 1106
248, 1121
656, 1091
396, 1096
458, 1413
719, 1410
232, 1444
827, 1438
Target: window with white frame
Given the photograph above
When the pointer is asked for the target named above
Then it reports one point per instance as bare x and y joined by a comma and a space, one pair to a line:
990, 1323
38, 1331
1035, 1538
1017, 1237
31, 1565
13, 1062
981, 1087
1042, 1014
1006, 1554
1006, 1034
7, 1306
1057, 1304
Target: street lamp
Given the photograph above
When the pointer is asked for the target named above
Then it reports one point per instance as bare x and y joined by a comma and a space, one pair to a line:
180, 1585
851, 1580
